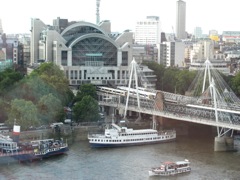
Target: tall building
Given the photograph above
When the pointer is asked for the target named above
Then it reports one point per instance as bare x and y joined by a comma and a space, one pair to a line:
231, 36
97, 12
1, 29
10, 51
60, 24
198, 32
202, 50
148, 31
213, 32
171, 54
181, 20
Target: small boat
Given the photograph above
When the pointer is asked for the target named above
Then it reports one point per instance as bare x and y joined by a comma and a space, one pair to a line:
47, 148
11, 151
116, 136
171, 168
33, 150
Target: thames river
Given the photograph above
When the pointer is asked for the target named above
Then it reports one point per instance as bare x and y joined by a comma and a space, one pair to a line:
132, 163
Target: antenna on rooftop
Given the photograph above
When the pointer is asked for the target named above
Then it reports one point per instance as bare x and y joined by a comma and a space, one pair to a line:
97, 11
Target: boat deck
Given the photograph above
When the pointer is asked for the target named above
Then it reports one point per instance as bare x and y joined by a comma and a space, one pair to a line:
16, 153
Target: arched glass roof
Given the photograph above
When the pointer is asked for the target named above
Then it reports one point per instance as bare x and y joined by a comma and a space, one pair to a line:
76, 30
94, 50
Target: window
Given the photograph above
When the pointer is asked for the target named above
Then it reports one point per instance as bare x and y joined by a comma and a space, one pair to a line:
64, 58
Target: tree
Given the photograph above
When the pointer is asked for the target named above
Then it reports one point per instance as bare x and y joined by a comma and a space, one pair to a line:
235, 84
51, 74
170, 79
49, 109
45, 88
31, 89
184, 79
86, 90
4, 106
8, 78
158, 71
24, 112
86, 110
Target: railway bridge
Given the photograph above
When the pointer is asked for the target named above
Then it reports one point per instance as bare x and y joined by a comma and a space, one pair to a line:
216, 105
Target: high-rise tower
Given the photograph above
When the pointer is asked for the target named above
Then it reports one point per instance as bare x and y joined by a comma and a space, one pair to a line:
97, 11
148, 31
181, 20
1, 29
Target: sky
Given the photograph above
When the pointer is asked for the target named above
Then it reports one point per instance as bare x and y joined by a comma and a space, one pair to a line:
208, 14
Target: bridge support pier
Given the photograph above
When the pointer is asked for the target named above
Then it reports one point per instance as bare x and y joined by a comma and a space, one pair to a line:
224, 143
154, 122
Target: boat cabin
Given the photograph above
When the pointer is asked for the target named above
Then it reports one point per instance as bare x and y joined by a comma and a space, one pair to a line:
174, 165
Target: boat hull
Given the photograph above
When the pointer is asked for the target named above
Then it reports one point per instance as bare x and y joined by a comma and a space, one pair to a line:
52, 153
61, 151
32, 156
111, 145
116, 136
169, 173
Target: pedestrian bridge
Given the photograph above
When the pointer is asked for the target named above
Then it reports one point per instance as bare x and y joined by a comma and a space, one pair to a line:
214, 104
172, 106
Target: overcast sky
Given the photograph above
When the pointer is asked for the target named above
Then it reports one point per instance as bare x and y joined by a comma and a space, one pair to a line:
208, 14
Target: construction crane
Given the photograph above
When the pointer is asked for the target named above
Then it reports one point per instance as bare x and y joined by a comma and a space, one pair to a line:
97, 11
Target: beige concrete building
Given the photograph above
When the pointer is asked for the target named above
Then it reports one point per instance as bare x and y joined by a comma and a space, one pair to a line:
88, 53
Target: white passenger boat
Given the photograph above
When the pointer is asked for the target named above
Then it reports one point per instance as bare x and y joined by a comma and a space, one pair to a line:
116, 136
171, 168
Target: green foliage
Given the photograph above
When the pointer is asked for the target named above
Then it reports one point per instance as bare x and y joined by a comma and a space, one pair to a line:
24, 112
235, 84
31, 89
184, 79
54, 77
158, 71
46, 89
4, 106
86, 90
7, 79
86, 110
49, 108
171, 79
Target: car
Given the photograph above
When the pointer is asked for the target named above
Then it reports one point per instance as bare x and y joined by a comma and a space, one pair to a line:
53, 125
42, 127
67, 121
31, 128
102, 116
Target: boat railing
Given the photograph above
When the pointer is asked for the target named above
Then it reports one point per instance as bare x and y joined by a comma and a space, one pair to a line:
95, 135
51, 149
16, 153
167, 132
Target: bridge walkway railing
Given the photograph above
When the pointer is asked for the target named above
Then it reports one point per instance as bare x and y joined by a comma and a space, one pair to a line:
173, 115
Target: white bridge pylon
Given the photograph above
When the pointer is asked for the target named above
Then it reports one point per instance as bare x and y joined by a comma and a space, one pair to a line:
215, 96
133, 76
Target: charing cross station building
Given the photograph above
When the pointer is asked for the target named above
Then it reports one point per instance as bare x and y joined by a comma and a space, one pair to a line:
86, 52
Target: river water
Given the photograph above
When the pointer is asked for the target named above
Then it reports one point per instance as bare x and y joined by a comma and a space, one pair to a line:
132, 163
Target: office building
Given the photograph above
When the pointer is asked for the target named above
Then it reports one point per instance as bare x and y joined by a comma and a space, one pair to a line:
197, 32
87, 53
171, 54
181, 20
202, 50
220, 65
231, 36
60, 24
1, 29
148, 31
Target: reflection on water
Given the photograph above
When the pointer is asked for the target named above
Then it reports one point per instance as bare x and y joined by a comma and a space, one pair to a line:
130, 163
